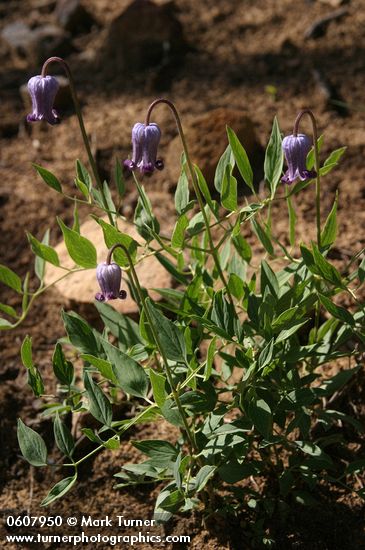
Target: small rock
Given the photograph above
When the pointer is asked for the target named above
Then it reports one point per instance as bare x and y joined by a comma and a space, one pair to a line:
81, 287
18, 37
35, 45
320, 26
144, 35
50, 40
72, 16
335, 3
207, 139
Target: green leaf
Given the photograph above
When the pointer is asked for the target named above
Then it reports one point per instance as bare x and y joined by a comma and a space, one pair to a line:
269, 279
337, 311
4, 324
182, 190
312, 449
171, 413
242, 246
223, 314
83, 175
99, 405
241, 158
331, 385
49, 178
261, 416
119, 178
109, 200
158, 382
76, 220
62, 368
226, 160
81, 250
172, 502
82, 187
229, 191
161, 453
326, 270
178, 235
43, 251
34, 378
10, 279
332, 161
357, 466
26, 352
112, 236
121, 326
266, 354
171, 337
80, 333
361, 271
210, 358
203, 186
103, 366
203, 476
60, 489
263, 237
329, 232
274, 158
235, 286
32, 445
130, 376
292, 329
63, 437
9, 310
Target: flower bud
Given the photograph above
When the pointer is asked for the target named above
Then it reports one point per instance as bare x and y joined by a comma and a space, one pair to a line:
109, 277
296, 149
43, 90
145, 141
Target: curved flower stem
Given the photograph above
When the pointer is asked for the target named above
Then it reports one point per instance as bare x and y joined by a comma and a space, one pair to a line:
195, 185
154, 330
316, 161
76, 102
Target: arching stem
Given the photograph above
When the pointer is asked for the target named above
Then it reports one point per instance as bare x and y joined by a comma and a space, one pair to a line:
85, 138
317, 165
154, 330
194, 180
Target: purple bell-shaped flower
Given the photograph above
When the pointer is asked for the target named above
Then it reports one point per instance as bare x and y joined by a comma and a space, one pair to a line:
109, 277
296, 149
145, 141
43, 90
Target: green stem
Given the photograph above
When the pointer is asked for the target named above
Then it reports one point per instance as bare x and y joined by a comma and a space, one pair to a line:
85, 138
317, 165
156, 337
195, 185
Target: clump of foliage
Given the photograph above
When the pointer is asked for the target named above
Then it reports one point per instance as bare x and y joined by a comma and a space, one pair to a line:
231, 357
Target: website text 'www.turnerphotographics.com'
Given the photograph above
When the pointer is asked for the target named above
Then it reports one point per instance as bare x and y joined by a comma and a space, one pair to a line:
90, 530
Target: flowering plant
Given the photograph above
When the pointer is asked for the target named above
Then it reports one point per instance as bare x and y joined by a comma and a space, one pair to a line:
232, 357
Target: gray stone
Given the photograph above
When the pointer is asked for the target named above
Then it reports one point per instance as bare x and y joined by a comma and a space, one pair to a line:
18, 37
146, 34
35, 45
72, 16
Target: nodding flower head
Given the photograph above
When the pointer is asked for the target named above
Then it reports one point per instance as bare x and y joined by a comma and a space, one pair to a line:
295, 150
109, 277
145, 141
43, 90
